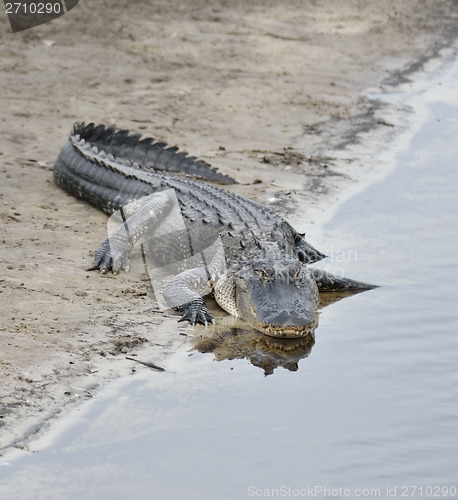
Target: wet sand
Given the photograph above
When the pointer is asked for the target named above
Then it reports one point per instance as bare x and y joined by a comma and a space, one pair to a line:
274, 94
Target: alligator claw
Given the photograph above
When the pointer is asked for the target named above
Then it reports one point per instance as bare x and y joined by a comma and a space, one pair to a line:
104, 260
119, 263
196, 312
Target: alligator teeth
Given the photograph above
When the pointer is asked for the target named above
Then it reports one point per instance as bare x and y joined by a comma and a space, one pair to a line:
284, 332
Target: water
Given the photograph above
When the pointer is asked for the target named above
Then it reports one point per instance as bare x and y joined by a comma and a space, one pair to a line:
372, 409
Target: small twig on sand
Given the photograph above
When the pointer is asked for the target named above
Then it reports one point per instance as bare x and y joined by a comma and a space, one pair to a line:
146, 363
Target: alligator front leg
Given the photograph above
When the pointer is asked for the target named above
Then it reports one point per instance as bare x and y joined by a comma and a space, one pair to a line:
184, 293
142, 215
196, 312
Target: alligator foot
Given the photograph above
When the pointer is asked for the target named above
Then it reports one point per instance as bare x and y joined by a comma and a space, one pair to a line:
104, 260
196, 312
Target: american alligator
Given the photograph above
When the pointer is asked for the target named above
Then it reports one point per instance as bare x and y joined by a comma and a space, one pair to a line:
265, 279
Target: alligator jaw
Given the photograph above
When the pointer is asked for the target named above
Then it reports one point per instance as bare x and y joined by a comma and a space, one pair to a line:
289, 332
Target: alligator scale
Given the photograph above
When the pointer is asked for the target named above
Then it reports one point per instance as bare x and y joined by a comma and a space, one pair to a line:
265, 279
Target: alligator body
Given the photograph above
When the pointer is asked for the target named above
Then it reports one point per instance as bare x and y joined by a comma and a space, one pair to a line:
264, 278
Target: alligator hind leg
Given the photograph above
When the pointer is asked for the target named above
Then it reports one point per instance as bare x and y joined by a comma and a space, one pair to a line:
305, 252
328, 282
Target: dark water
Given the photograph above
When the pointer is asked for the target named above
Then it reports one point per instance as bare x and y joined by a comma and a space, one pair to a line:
374, 405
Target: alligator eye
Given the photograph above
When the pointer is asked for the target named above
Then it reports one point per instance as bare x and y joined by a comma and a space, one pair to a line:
263, 274
295, 271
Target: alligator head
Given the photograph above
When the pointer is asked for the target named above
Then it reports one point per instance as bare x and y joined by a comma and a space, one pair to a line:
278, 297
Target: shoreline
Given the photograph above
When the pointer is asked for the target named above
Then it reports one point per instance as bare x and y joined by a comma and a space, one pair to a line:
397, 121
67, 331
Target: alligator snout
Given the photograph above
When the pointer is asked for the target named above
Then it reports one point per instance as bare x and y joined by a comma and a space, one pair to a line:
291, 324
279, 299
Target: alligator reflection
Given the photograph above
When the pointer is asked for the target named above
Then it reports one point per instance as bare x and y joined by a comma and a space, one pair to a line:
232, 338
241, 341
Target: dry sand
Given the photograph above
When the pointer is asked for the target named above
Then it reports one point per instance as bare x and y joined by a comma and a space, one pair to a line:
270, 92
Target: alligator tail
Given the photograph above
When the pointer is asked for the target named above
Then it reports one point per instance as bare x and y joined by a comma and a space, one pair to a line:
92, 179
110, 168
